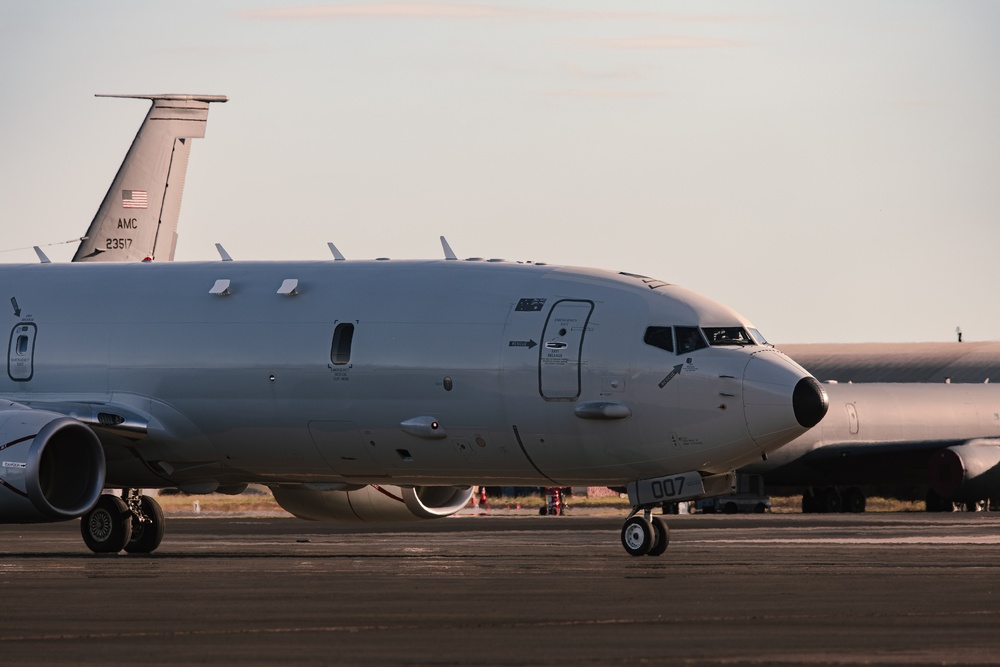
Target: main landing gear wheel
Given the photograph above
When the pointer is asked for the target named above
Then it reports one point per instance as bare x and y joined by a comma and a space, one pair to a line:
147, 529
107, 528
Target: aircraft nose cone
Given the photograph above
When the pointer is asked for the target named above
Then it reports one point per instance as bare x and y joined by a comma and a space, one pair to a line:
809, 402
780, 400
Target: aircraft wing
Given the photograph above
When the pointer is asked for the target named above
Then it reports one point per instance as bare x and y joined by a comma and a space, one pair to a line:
966, 468
103, 417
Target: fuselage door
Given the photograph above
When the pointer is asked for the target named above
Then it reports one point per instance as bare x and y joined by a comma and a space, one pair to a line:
560, 353
852, 418
20, 352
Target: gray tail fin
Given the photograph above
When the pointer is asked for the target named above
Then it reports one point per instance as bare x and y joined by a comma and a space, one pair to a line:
138, 218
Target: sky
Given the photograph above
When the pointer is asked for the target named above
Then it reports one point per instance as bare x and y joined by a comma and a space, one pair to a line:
829, 170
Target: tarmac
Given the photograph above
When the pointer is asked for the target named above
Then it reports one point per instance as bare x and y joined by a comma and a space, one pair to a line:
892, 589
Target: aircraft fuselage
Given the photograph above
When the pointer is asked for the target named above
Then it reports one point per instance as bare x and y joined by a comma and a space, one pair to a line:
435, 372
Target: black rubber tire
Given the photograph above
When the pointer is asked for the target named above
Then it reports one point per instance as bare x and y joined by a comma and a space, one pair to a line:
854, 500
730, 508
107, 528
810, 503
830, 501
661, 537
637, 536
147, 536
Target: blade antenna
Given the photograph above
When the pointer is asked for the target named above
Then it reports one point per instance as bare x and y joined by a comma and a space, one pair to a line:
337, 255
448, 252
222, 253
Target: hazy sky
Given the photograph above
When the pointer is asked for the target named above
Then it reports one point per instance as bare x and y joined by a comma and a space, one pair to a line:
829, 169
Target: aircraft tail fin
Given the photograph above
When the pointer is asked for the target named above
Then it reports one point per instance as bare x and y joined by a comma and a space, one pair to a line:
138, 217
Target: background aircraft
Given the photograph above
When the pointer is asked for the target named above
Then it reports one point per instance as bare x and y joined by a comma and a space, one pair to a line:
900, 362
943, 438
138, 217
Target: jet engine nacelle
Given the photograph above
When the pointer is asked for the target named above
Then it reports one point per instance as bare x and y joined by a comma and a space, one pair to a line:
372, 503
51, 466
967, 472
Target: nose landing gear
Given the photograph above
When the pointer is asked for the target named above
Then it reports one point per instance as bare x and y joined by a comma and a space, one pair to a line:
645, 535
648, 535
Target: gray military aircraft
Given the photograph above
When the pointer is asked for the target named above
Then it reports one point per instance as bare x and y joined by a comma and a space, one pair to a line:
973, 362
138, 218
320, 378
943, 437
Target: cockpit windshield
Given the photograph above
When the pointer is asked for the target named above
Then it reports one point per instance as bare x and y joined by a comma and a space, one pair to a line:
727, 336
689, 339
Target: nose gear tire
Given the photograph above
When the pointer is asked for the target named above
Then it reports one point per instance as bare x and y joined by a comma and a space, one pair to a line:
637, 536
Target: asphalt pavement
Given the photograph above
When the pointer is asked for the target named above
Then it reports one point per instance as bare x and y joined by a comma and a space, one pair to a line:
896, 589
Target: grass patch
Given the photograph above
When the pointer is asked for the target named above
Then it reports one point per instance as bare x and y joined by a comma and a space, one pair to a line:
793, 505
217, 502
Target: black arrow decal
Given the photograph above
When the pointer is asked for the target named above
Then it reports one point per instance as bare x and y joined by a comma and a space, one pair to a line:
671, 375
522, 343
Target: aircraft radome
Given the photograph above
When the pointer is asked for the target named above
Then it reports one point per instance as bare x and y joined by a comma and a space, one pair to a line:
320, 378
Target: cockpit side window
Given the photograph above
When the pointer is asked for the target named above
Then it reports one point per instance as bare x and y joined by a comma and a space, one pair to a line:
759, 337
661, 337
689, 339
727, 336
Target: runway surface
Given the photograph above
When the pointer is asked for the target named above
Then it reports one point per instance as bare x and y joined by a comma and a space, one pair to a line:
895, 589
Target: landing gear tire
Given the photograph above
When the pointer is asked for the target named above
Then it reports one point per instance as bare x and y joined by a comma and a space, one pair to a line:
661, 537
830, 501
935, 503
146, 535
853, 500
810, 504
107, 528
637, 536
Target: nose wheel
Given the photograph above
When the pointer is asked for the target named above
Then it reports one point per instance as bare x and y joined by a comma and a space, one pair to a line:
645, 535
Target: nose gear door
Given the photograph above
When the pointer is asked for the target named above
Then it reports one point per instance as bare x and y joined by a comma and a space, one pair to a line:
560, 353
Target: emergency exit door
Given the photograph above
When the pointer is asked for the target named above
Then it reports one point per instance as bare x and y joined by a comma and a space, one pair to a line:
21, 352
561, 350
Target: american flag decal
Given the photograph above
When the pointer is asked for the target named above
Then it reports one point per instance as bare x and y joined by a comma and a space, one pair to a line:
135, 199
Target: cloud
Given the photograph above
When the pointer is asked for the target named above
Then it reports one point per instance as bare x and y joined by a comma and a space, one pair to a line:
432, 10
603, 93
661, 43
416, 10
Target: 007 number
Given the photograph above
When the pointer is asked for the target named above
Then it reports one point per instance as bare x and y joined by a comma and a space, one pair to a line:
667, 488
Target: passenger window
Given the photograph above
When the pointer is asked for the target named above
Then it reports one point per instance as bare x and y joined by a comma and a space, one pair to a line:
689, 339
343, 335
22, 345
661, 337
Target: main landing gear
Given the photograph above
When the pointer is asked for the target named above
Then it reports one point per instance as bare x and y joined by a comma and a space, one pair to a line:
645, 535
133, 523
